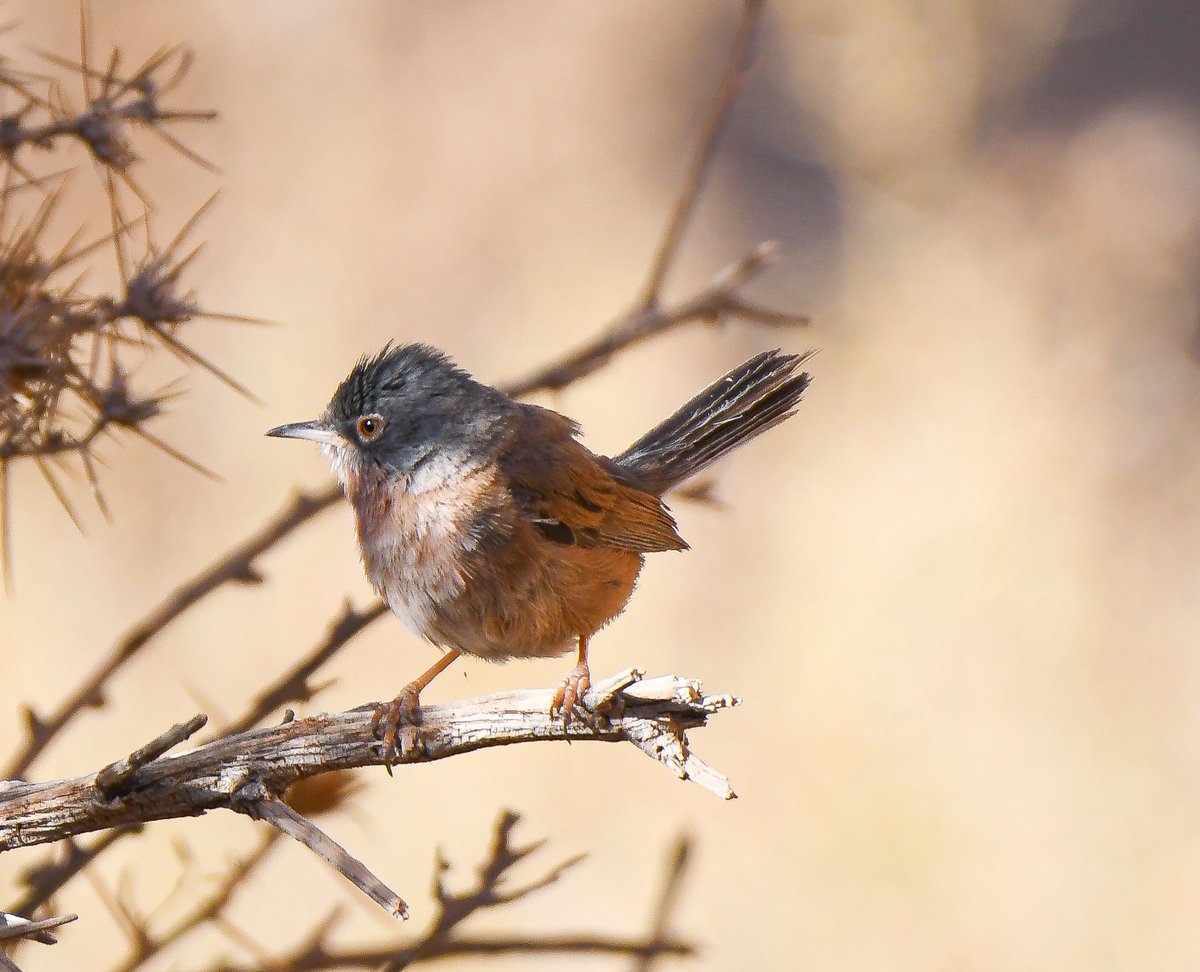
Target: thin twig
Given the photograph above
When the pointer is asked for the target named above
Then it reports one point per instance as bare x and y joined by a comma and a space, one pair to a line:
667, 900
714, 303
117, 777
14, 926
147, 944
323, 959
442, 936
710, 135
294, 685
287, 821
45, 880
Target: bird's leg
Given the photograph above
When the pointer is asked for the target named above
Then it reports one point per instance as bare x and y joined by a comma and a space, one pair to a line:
574, 686
405, 711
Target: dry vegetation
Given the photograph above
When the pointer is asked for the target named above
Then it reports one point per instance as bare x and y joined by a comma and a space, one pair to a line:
956, 595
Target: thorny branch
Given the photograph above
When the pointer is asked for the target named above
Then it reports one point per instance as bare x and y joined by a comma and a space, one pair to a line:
64, 348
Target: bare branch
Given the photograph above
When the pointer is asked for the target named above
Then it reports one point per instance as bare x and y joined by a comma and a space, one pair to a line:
294, 685
45, 880
287, 821
721, 299
666, 903
14, 926
494, 943
710, 135
117, 777
147, 944
239, 772
442, 937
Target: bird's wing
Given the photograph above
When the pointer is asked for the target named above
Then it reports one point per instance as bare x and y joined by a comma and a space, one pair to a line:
574, 497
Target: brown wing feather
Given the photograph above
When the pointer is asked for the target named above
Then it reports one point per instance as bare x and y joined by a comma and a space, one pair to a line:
572, 496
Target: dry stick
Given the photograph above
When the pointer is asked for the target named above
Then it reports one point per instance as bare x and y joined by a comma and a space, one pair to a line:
720, 299
247, 772
115, 778
14, 926
287, 821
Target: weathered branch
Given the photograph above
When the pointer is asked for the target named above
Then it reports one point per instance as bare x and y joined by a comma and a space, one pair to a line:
248, 772
14, 927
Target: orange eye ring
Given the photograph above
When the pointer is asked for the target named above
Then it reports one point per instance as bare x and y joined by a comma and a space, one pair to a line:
370, 427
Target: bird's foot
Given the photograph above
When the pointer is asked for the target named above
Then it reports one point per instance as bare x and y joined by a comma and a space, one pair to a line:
397, 722
574, 687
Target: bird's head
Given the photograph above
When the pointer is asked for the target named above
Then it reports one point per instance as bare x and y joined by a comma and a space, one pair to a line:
407, 412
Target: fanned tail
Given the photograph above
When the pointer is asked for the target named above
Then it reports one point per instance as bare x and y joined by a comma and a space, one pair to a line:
752, 398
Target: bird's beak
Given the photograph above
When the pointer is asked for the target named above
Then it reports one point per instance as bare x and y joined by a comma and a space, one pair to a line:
314, 431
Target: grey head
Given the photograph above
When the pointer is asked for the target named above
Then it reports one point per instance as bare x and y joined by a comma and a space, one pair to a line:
410, 411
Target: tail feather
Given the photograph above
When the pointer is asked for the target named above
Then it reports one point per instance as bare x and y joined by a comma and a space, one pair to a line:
752, 398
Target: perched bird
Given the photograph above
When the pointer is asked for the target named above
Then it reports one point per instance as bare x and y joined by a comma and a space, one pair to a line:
490, 529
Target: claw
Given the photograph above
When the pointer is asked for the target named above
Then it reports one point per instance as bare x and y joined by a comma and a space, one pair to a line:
572, 690
397, 722
401, 717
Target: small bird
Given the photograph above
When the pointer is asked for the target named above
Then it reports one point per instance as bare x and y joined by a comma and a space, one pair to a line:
490, 529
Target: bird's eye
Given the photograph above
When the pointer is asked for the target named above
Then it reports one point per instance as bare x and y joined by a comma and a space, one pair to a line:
370, 427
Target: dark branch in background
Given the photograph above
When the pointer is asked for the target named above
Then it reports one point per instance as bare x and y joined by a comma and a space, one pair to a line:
667, 899
710, 136
294, 685
47, 879
146, 944
443, 938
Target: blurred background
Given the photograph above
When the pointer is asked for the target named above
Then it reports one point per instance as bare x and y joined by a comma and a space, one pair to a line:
957, 593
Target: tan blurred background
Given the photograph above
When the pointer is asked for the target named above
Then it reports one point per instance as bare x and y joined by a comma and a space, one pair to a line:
958, 593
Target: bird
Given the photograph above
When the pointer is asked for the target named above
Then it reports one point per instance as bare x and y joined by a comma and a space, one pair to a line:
490, 529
